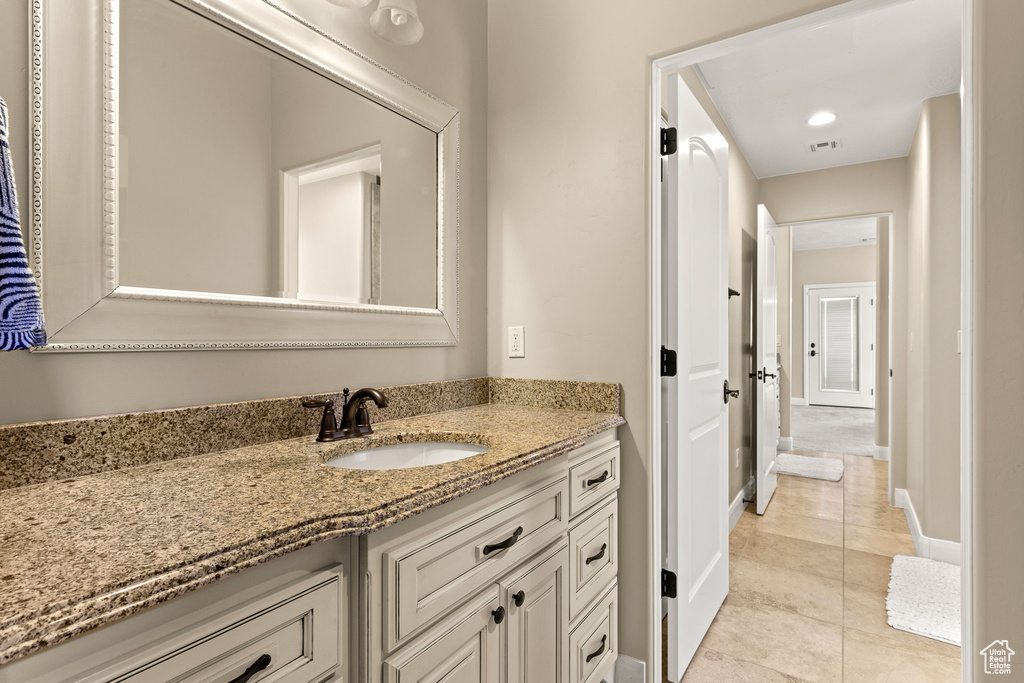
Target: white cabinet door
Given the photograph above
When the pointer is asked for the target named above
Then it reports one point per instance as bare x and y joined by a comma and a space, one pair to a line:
537, 601
464, 648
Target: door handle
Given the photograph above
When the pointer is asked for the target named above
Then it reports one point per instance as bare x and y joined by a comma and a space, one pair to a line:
813, 353
734, 393
767, 375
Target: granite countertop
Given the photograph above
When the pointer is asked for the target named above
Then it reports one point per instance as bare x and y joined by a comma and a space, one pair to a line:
81, 553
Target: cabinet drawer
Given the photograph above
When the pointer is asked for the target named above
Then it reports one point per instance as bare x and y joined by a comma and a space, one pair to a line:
592, 479
289, 640
594, 643
593, 555
426, 577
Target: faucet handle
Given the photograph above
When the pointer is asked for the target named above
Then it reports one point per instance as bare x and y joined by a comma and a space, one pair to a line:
318, 404
329, 421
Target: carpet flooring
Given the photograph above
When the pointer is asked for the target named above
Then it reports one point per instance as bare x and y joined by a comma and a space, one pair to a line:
834, 430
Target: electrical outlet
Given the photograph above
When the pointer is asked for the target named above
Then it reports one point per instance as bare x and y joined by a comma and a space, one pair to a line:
516, 342
736, 459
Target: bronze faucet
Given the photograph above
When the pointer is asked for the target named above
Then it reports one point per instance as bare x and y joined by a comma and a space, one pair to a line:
355, 418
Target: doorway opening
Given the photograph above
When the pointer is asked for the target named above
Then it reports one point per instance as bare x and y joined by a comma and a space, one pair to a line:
838, 314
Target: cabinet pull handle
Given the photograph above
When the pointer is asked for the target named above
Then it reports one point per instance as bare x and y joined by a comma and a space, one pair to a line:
519, 598
600, 554
598, 480
499, 615
599, 651
259, 665
507, 543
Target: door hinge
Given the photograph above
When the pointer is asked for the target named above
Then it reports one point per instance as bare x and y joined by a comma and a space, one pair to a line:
668, 141
872, 392
668, 362
668, 584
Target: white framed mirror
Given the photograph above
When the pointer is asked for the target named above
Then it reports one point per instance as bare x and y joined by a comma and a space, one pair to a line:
220, 174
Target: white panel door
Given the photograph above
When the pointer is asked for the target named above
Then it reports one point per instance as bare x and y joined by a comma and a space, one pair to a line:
840, 352
696, 414
766, 366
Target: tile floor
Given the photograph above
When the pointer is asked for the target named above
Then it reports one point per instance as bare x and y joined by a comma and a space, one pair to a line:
808, 582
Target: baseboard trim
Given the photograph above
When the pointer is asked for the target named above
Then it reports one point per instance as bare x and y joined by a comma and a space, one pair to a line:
797, 401
737, 506
786, 443
926, 546
881, 453
628, 670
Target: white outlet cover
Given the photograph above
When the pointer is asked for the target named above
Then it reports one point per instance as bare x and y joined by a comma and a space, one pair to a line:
516, 342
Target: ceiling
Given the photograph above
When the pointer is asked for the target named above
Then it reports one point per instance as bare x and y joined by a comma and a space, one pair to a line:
846, 232
873, 69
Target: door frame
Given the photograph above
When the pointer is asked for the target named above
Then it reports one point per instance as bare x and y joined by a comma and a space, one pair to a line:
807, 329
675, 60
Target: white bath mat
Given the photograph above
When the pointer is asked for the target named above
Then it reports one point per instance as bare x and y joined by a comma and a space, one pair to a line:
924, 598
829, 469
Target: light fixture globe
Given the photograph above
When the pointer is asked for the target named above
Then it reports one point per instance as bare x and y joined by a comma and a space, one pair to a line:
350, 4
397, 21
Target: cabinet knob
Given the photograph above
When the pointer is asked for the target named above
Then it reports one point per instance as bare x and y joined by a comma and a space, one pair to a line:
499, 615
519, 598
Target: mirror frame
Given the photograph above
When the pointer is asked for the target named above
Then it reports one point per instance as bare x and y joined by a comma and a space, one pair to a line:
73, 215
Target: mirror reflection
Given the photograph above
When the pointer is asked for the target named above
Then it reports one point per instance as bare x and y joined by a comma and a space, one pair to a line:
242, 172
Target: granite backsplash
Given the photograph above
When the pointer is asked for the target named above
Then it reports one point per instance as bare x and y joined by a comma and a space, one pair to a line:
38, 452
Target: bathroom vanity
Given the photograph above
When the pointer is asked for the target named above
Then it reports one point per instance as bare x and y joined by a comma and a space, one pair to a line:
500, 566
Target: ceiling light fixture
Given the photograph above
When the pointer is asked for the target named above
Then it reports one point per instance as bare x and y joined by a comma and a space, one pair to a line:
350, 4
396, 21
822, 118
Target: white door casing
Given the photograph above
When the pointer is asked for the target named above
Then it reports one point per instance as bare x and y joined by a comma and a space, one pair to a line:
695, 412
766, 365
839, 358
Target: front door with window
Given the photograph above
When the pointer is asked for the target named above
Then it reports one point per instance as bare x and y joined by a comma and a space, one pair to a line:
840, 353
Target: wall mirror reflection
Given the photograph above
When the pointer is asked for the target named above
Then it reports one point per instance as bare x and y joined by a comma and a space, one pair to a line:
243, 172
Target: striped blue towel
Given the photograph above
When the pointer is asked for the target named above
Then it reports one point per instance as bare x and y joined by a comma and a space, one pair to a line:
21, 312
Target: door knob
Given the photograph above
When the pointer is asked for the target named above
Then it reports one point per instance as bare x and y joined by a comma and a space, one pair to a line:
813, 353
734, 393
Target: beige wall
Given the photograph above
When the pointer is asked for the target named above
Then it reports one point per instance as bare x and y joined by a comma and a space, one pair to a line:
933, 416
568, 120
823, 267
785, 328
998, 552
451, 62
875, 187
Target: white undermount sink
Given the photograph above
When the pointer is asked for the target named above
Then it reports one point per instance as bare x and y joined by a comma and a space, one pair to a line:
405, 455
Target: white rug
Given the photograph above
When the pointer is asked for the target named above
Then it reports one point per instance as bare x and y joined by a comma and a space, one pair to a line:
829, 469
834, 430
924, 598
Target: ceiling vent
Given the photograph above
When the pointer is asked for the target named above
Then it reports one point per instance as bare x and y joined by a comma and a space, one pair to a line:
824, 146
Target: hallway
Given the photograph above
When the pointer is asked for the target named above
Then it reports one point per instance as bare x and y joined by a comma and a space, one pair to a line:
808, 584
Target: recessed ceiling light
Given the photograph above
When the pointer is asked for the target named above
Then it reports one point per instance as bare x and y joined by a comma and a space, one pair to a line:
822, 118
